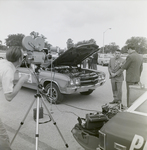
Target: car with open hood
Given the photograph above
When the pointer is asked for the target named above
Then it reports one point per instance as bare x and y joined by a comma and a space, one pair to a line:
65, 74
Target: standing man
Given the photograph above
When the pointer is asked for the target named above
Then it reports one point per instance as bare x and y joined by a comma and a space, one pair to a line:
116, 76
7, 69
90, 62
94, 61
84, 63
133, 67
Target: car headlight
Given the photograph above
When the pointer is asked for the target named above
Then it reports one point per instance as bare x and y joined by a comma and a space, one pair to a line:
101, 77
75, 81
71, 83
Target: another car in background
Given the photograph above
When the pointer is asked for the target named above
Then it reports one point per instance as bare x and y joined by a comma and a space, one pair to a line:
103, 59
144, 58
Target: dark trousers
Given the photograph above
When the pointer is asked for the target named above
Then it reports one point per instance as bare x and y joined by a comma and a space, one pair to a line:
94, 66
128, 90
117, 90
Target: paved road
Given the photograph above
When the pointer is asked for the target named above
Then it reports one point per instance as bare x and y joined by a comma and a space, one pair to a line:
65, 115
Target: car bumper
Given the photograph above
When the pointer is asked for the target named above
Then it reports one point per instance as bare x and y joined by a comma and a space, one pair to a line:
106, 62
74, 89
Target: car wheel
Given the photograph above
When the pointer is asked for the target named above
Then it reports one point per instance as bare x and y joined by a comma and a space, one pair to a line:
56, 97
86, 92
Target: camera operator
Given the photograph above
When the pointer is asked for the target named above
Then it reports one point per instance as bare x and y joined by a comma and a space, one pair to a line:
8, 67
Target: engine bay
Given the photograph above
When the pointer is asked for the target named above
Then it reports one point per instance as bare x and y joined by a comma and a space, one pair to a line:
75, 71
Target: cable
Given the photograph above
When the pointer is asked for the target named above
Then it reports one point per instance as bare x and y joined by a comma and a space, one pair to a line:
75, 108
44, 121
81, 108
66, 111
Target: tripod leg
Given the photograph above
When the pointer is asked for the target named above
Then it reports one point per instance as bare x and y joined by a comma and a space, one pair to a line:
37, 123
54, 121
22, 122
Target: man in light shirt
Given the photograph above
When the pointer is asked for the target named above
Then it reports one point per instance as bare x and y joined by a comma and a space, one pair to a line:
116, 76
8, 67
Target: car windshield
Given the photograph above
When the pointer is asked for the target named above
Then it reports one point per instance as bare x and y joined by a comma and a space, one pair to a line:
142, 108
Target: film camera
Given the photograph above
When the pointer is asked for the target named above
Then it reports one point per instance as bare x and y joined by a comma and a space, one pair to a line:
36, 54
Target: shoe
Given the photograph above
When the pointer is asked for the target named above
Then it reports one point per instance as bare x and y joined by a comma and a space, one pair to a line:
113, 102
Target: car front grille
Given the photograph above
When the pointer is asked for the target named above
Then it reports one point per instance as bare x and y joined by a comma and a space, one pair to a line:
89, 79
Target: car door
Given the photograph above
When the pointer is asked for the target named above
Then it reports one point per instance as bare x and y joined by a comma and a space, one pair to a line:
27, 70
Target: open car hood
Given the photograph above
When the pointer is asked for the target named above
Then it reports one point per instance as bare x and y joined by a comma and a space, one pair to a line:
75, 55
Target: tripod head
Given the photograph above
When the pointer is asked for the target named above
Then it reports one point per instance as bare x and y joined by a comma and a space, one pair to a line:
37, 69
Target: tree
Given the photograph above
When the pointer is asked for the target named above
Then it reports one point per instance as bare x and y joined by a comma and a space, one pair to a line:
47, 45
42, 36
124, 49
91, 41
14, 40
111, 48
2, 47
140, 44
69, 43
34, 34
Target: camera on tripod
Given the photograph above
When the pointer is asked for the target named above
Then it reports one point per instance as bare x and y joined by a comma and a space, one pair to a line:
36, 53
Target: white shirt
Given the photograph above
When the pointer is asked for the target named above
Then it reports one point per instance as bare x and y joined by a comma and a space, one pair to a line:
7, 70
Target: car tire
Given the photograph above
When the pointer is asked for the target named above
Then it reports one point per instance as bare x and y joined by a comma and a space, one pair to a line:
57, 96
86, 92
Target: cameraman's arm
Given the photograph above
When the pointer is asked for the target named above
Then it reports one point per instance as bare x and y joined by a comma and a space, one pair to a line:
17, 87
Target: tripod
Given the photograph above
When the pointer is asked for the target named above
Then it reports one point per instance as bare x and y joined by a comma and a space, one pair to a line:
38, 96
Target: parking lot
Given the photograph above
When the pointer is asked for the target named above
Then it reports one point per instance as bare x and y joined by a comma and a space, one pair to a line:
64, 114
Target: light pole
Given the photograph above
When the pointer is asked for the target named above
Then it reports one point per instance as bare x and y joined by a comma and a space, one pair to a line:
104, 36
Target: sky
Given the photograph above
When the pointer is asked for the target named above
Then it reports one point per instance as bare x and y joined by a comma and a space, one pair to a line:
59, 20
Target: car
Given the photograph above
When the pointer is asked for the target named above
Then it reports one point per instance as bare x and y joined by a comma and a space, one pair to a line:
103, 59
64, 75
144, 58
126, 130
